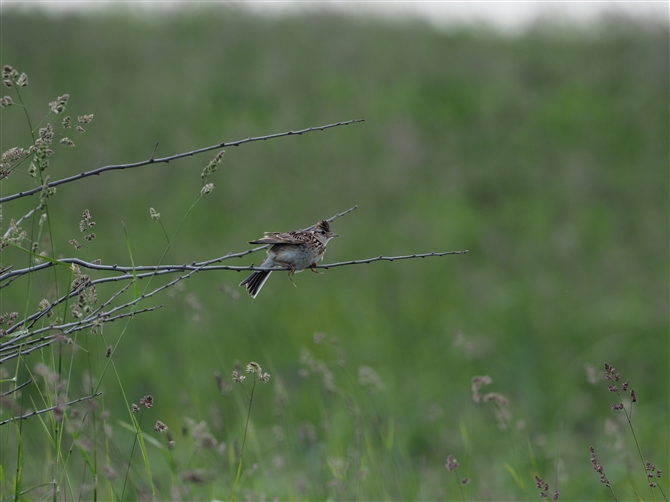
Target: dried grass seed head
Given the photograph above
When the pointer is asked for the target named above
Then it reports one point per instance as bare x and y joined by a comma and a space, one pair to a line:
213, 164
147, 401
207, 189
22, 81
477, 383
46, 135
452, 463
110, 473
253, 367
58, 106
368, 377
14, 154
237, 378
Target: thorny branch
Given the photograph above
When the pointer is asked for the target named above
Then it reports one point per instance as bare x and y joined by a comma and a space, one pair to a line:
26, 341
20, 220
65, 329
152, 270
152, 160
24, 337
142, 268
39, 412
18, 387
15, 345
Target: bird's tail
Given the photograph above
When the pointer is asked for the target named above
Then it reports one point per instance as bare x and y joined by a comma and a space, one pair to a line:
255, 282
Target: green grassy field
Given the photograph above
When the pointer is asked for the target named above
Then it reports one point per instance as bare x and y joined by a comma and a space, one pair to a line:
545, 155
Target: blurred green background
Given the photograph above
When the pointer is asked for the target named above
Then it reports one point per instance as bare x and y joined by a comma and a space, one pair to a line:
544, 154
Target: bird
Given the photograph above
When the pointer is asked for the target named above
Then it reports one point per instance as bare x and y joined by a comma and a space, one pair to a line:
296, 250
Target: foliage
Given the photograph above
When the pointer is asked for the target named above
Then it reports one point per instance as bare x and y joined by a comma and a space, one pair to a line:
544, 154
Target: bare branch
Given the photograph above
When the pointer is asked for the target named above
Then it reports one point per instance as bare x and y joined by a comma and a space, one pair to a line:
20, 344
32, 319
390, 258
96, 313
20, 220
27, 341
197, 267
18, 387
109, 300
324, 266
45, 410
143, 268
14, 353
17, 346
152, 160
337, 215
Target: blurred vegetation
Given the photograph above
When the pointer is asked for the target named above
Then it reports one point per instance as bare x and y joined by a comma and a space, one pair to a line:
544, 154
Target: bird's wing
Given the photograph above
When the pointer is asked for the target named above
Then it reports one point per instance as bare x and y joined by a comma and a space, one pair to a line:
281, 238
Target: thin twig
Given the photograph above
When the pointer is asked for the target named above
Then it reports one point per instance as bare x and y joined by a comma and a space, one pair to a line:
45, 410
20, 220
151, 160
195, 267
153, 154
13, 346
388, 258
32, 319
141, 268
16, 388
14, 354
16, 349
338, 215
162, 269
75, 292
109, 300
171, 269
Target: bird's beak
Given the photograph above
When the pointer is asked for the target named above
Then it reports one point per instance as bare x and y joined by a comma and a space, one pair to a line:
331, 235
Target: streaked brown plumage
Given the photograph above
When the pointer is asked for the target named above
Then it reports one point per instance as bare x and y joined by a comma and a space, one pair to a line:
296, 250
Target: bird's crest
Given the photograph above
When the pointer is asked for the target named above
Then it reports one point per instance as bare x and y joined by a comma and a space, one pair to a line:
323, 225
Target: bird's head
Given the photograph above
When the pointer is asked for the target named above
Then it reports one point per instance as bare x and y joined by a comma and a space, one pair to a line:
322, 231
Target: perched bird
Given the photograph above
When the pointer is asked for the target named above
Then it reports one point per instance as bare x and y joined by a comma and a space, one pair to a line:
296, 250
